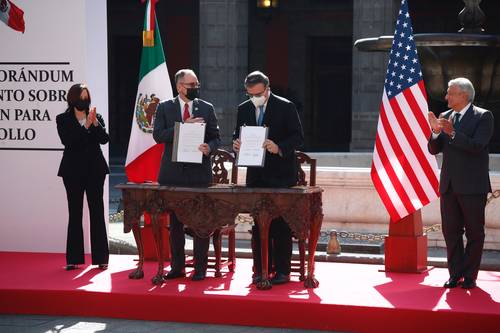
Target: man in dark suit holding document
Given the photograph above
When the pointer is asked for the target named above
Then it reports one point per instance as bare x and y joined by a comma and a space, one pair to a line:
285, 135
186, 108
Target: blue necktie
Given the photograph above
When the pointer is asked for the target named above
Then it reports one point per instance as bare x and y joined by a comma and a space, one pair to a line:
261, 115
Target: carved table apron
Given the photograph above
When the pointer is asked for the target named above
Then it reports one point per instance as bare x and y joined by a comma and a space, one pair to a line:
205, 209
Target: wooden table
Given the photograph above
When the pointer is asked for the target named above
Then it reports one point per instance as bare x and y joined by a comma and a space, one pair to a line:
205, 209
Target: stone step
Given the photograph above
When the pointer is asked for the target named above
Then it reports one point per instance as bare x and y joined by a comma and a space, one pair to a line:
346, 160
364, 160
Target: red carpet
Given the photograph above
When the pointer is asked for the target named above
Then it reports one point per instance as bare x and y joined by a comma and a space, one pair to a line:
350, 298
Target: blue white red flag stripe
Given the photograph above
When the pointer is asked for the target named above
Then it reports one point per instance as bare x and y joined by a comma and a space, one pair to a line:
403, 172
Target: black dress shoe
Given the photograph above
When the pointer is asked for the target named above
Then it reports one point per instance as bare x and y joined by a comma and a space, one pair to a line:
103, 266
452, 283
256, 279
468, 283
70, 267
175, 275
198, 276
280, 278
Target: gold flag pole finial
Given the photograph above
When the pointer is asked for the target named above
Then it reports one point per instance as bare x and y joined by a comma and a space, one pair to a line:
148, 35
148, 38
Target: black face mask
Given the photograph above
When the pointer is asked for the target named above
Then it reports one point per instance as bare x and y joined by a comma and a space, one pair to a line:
82, 104
192, 93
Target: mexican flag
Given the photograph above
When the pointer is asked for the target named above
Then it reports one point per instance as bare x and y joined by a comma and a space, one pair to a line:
12, 15
144, 154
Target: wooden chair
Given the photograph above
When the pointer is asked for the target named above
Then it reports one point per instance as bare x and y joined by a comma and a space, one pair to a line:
220, 175
302, 160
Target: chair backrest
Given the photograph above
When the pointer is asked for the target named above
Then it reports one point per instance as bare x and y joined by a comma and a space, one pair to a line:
220, 174
302, 159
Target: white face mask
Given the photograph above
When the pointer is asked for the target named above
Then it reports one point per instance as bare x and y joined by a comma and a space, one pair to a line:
258, 101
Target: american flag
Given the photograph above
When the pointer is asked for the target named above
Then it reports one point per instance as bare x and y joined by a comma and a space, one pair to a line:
403, 172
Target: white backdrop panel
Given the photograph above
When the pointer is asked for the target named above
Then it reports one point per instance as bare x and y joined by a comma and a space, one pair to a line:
65, 43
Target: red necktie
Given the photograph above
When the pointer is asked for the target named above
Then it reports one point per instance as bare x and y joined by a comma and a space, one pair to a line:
186, 112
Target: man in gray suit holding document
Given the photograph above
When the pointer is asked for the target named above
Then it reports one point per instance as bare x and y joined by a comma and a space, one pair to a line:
186, 108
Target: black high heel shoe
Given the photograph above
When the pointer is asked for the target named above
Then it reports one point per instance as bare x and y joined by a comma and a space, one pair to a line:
70, 267
103, 266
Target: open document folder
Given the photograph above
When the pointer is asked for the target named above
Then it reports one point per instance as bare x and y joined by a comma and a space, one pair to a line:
251, 151
187, 139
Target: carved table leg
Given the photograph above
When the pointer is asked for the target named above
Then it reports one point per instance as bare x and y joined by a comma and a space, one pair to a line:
217, 241
232, 246
138, 273
302, 258
264, 221
317, 219
157, 225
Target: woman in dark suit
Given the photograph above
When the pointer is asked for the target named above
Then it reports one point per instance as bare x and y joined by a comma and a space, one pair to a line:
83, 169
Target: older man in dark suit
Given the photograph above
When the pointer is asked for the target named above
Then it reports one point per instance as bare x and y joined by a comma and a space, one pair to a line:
188, 108
285, 135
462, 134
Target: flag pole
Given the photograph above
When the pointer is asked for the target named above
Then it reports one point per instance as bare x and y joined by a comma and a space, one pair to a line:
406, 245
404, 173
148, 37
144, 167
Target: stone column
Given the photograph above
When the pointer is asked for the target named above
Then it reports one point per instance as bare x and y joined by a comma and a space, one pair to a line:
223, 58
371, 19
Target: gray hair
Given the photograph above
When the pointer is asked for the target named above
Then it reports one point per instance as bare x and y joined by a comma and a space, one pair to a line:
256, 77
180, 74
465, 85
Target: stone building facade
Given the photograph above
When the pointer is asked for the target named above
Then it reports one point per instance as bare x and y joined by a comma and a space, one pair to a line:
305, 46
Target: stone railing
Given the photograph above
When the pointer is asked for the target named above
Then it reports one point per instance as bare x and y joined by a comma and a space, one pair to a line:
350, 202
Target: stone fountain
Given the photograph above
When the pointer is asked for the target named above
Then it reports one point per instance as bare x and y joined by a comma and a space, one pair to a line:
469, 53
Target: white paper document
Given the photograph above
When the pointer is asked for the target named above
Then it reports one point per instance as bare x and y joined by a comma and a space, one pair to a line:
251, 151
187, 139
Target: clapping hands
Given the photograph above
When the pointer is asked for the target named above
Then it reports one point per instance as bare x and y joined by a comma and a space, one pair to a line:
440, 124
92, 117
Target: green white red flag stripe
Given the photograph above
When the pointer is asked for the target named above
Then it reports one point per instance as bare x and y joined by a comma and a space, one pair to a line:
144, 154
12, 15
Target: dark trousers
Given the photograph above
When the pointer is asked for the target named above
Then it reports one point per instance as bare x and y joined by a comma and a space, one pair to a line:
177, 241
75, 188
463, 213
280, 247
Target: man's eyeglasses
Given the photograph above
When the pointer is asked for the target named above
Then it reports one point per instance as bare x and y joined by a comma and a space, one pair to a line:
256, 95
191, 85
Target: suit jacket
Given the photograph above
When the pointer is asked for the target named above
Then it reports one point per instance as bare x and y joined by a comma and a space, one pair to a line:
285, 130
178, 173
465, 158
82, 151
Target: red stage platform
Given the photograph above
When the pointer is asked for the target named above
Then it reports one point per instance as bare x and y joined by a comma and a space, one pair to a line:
351, 297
